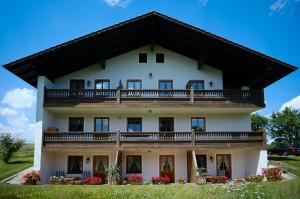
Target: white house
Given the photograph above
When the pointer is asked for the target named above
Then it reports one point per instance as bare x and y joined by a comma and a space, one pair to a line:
153, 95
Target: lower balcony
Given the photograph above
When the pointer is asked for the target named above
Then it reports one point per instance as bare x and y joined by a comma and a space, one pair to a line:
154, 139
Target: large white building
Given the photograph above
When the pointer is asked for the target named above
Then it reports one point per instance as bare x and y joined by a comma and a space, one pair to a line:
153, 95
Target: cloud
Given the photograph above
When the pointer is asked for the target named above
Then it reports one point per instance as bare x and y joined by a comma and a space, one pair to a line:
19, 98
117, 3
293, 103
279, 6
203, 2
14, 120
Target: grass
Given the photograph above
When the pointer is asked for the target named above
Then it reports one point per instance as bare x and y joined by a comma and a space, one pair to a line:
283, 189
21, 160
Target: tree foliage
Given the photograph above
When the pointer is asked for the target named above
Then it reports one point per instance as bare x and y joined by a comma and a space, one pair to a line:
8, 146
285, 126
258, 122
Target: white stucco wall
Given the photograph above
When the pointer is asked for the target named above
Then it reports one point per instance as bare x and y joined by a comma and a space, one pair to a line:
177, 67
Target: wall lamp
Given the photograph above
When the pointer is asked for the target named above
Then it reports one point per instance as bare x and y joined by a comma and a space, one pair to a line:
150, 75
211, 84
211, 158
87, 160
88, 83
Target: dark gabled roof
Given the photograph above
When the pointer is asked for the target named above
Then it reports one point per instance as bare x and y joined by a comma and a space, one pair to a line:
241, 66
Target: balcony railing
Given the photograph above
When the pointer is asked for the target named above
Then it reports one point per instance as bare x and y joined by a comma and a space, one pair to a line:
120, 138
119, 95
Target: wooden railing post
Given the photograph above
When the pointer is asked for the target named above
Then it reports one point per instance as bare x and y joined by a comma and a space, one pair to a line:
264, 136
193, 137
118, 138
192, 95
118, 96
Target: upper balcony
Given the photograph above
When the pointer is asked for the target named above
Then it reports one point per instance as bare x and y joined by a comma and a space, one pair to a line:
179, 97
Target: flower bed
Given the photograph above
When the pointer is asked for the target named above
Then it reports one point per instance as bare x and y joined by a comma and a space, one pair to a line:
134, 179
160, 180
57, 180
272, 174
93, 180
257, 178
32, 178
216, 179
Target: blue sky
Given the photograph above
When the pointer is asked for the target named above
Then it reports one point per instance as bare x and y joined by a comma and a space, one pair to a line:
269, 26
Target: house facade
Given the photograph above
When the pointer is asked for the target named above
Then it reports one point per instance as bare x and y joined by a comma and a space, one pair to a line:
153, 95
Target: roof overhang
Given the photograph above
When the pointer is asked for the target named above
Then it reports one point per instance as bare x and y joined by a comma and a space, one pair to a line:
241, 66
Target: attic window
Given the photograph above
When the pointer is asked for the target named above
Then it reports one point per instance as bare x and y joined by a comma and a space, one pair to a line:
160, 58
142, 57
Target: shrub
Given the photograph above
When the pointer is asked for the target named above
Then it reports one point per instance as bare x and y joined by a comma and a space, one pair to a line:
134, 179
216, 179
32, 178
93, 180
160, 180
8, 146
272, 174
113, 174
253, 178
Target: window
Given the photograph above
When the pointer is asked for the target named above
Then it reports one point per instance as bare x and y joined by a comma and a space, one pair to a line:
166, 124
76, 124
102, 84
133, 164
134, 124
142, 57
198, 124
101, 124
75, 164
201, 161
165, 84
134, 84
197, 84
160, 58
76, 84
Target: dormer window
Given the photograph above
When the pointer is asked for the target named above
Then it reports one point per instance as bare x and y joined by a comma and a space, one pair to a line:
160, 58
142, 57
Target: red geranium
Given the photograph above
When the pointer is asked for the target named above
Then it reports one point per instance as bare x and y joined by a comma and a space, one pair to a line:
32, 177
93, 180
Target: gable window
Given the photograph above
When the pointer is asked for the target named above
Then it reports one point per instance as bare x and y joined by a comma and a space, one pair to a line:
133, 164
198, 124
134, 84
101, 124
76, 124
197, 84
102, 84
201, 161
142, 57
75, 164
134, 124
77, 84
160, 58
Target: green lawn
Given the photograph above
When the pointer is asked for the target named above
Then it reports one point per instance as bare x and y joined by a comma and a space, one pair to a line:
21, 160
283, 189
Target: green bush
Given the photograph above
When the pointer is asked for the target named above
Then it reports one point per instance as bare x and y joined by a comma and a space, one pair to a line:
8, 146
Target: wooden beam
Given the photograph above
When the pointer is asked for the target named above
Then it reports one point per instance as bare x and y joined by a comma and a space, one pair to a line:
201, 60
152, 39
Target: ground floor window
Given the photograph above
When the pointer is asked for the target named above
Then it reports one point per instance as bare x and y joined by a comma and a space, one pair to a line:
75, 164
201, 161
134, 164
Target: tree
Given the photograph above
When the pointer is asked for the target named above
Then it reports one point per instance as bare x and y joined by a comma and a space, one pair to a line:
8, 146
258, 122
285, 126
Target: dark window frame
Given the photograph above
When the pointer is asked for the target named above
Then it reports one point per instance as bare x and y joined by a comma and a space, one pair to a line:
68, 164
165, 80
143, 58
79, 80
101, 118
197, 81
133, 118
134, 80
70, 118
171, 118
127, 164
102, 80
160, 58
205, 160
204, 118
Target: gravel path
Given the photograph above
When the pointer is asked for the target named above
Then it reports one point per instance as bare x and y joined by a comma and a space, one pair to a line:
17, 178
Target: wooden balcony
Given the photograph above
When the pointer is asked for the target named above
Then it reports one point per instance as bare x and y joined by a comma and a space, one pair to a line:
66, 97
123, 139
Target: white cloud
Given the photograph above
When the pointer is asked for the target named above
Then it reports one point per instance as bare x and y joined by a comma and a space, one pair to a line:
279, 6
203, 2
293, 103
117, 3
19, 98
15, 105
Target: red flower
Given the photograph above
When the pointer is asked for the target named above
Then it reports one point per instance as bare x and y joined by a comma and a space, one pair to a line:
93, 180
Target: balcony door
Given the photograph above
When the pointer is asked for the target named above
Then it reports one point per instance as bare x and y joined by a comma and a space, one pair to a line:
78, 85
101, 85
166, 124
165, 85
100, 164
167, 166
223, 165
134, 124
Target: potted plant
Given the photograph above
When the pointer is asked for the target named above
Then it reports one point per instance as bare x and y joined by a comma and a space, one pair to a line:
32, 178
181, 180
